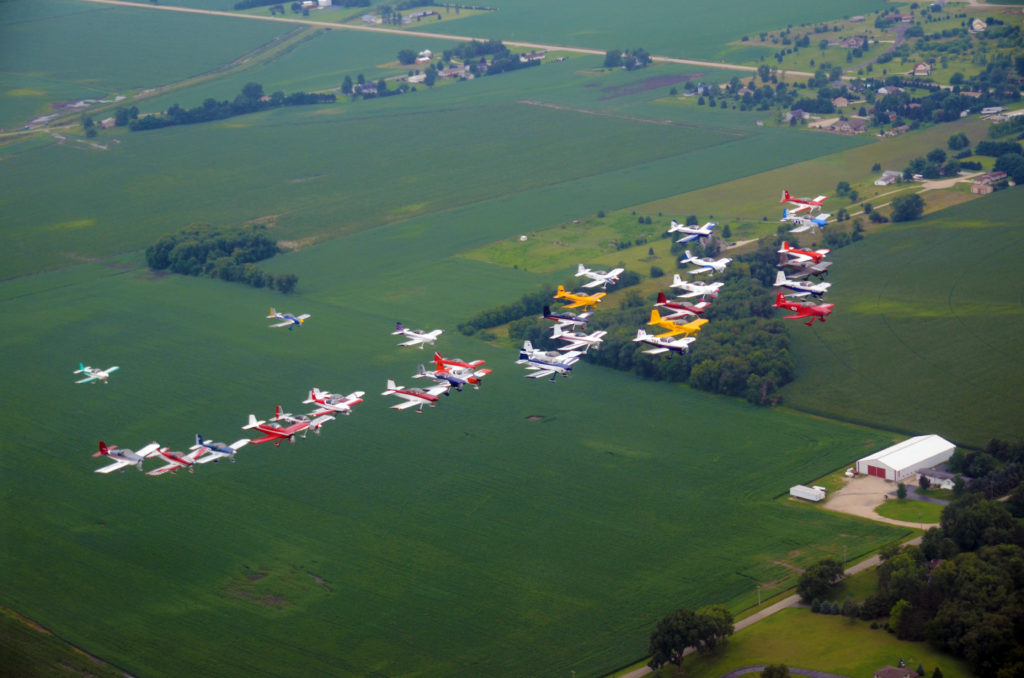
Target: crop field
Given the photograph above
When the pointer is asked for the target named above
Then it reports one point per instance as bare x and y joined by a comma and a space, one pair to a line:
439, 543
692, 30
118, 47
925, 332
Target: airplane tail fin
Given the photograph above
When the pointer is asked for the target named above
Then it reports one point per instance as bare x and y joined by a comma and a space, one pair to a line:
273, 313
581, 270
785, 195
277, 411
391, 385
662, 299
398, 327
556, 331
547, 312
81, 368
779, 299
689, 257
199, 439
528, 346
103, 451
640, 335
655, 317
780, 279
677, 280
560, 292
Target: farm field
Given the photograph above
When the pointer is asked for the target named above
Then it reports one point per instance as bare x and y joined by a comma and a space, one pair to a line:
122, 55
924, 336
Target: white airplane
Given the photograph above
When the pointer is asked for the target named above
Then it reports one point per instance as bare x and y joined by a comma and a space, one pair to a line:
692, 232
706, 265
414, 397
333, 402
696, 288
94, 374
287, 319
578, 340
678, 309
124, 458
416, 337
801, 287
598, 278
663, 344
177, 460
543, 363
804, 223
217, 451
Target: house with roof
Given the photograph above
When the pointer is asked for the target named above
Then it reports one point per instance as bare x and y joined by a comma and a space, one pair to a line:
895, 672
922, 69
888, 177
840, 102
853, 126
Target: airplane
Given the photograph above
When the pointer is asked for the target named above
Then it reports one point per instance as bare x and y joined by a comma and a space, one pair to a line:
217, 450
578, 339
448, 379
567, 318
124, 458
675, 328
333, 402
276, 432
693, 232
801, 287
414, 396
804, 223
94, 374
797, 254
461, 369
579, 300
543, 363
812, 311
695, 289
803, 269
177, 460
706, 265
417, 337
679, 308
663, 344
803, 203
601, 278
288, 320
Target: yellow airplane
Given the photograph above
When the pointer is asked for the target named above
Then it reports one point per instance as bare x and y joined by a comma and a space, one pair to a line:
579, 300
674, 328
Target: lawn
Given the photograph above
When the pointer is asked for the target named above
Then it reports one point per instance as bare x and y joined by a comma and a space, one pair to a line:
911, 511
835, 644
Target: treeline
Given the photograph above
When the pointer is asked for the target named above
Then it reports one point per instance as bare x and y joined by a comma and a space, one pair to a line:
704, 629
473, 54
250, 100
223, 253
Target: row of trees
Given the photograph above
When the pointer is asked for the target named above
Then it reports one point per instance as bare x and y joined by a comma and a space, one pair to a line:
631, 59
703, 630
250, 100
224, 253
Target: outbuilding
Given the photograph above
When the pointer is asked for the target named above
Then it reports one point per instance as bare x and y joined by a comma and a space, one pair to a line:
899, 462
813, 493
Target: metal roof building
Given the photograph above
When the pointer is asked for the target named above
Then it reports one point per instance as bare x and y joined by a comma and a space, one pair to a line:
905, 459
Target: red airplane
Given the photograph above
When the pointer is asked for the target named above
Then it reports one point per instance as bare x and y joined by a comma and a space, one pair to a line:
802, 203
812, 311
276, 432
680, 308
803, 255
176, 460
461, 369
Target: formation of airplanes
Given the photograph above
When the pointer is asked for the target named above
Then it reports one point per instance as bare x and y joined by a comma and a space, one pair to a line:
599, 278
692, 232
204, 451
798, 265
663, 344
93, 374
697, 288
287, 319
416, 337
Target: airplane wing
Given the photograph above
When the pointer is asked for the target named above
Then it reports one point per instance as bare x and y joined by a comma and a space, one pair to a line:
596, 282
539, 372
406, 404
798, 256
86, 380
801, 228
303, 316
798, 294
702, 269
115, 368
116, 466
171, 466
657, 351
267, 439
286, 323
413, 341
688, 238
806, 313
799, 207
673, 332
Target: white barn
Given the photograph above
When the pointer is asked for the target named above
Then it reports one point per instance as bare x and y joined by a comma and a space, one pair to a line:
899, 462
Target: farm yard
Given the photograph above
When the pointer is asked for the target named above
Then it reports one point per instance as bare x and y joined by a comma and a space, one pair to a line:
564, 518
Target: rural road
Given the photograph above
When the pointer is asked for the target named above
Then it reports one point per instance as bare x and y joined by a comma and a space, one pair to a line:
440, 36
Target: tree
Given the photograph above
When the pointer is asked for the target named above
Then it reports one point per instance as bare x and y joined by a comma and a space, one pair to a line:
924, 483
907, 207
958, 142
726, 232
613, 58
936, 155
818, 578
877, 167
670, 638
346, 86
252, 91
775, 671
406, 57
901, 491
1013, 165
711, 626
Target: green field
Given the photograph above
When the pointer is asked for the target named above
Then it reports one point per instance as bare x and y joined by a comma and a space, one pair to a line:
924, 335
911, 511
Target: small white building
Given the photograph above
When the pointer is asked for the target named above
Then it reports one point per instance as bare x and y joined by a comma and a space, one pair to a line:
815, 493
899, 462
323, 4
888, 177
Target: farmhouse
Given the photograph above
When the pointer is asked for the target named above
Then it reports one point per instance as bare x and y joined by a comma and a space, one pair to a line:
888, 177
923, 68
977, 26
986, 183
840, 102
853, 42
904, 459
854, 126
942, 480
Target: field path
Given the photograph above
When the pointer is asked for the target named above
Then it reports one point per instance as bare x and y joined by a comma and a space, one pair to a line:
441, 36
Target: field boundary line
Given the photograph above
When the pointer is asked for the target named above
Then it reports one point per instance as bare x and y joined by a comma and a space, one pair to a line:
632, 118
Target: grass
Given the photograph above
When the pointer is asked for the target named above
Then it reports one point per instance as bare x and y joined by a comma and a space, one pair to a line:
835, 644
911, 511
30, 651
921, 296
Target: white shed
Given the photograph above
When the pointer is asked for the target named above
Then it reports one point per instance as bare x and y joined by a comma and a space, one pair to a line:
903, 460
814, 493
